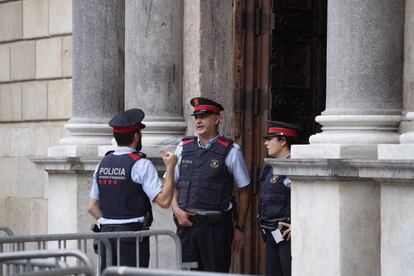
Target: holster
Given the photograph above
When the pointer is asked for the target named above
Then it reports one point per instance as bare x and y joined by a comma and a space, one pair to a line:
96, 229
148, 220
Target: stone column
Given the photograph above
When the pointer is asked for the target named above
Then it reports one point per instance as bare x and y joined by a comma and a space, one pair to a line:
405, 150
153, 69
208, 57
98, 84
363, 110
364, 80
98, 76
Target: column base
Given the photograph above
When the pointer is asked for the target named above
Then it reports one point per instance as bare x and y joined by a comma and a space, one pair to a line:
72, 151
83, 141
350, 136
333, 151
357, 129
162, 135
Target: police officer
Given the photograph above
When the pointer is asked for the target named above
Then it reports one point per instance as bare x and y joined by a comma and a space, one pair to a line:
207, 168
274, 210
124, 184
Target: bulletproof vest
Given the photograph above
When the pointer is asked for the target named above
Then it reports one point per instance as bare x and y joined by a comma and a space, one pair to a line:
205, 182
275, 197
119, 196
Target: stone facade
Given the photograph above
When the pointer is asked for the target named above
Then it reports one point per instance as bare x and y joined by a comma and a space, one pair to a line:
35, 103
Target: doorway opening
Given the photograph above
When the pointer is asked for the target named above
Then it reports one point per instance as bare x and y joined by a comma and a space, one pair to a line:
279, 54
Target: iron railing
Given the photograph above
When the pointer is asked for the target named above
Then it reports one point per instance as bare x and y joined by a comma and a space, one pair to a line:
83, 242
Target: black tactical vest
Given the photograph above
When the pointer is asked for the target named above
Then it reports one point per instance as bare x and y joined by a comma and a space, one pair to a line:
205, 182
119, 196
274, 197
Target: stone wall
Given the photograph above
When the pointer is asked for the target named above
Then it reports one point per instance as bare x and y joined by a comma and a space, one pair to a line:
35, 102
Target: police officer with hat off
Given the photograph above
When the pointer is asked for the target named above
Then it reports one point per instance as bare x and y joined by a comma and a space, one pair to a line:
274, 209
124, 184
208, 166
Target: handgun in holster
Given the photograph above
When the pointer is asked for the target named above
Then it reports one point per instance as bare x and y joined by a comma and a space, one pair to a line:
148, 220
96, 229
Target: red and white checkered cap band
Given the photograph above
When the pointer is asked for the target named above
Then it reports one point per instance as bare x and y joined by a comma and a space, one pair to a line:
283, 131
125, 129
207, 107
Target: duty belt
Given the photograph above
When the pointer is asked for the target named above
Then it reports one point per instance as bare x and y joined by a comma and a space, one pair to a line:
209, 219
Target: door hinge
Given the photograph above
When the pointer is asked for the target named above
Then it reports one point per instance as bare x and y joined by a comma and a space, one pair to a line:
256, 101
258, 21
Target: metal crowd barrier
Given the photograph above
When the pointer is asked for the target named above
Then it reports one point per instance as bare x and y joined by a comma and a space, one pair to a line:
80, 241
129, 271
46, 262
6, 230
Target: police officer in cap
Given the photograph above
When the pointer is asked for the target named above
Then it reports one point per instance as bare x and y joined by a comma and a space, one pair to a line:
208, 167
124, 184
274, 209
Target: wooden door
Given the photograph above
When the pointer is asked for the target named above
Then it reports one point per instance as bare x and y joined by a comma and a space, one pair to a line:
279, 54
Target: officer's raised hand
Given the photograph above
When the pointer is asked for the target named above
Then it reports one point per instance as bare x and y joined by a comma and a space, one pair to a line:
169, 158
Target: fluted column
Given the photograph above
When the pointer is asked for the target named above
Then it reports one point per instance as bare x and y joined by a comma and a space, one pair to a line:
364, 80
153, 69
98, 76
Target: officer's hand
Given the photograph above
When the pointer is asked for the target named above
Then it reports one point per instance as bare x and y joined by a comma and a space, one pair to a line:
286, 233
239, 240
182, 217
169, 158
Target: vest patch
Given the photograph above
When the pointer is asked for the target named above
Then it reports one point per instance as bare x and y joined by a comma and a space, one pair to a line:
214, 164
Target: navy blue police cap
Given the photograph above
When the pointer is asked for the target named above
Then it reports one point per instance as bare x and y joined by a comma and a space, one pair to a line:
275, 128
204, 105
128, 121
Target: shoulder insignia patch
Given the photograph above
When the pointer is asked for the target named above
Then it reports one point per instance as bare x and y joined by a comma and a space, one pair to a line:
224, 141
188, 139
135, 156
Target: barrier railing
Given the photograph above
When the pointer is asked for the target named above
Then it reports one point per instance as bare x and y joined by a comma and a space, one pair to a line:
130, 271
46, 262
83, 242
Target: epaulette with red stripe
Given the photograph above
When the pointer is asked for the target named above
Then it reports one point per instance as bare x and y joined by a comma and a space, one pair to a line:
189, 139
137, 155
226, 142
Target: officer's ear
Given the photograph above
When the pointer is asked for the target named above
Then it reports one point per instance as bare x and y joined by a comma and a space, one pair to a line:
217, 118
137, 135
283, 141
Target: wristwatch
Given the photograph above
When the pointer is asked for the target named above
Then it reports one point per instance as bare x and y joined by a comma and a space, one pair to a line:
240, 227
